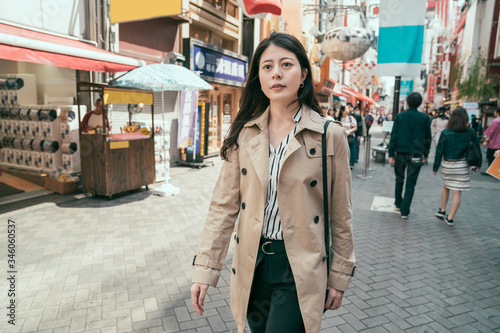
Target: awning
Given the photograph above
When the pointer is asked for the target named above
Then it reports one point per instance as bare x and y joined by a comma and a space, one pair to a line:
18, 44
358, 95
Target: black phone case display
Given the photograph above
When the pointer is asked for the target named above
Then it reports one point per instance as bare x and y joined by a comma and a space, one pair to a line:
40, 138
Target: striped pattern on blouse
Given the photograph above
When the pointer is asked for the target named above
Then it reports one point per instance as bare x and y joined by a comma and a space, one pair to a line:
271, 228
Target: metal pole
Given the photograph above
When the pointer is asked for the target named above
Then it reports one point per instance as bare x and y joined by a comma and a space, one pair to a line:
366, 160
395, 105
368, 141
162, 137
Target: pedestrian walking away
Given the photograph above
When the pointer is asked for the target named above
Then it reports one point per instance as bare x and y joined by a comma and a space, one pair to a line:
408, 150
492, 137
368, 122
350, 128
451, 155
438, 124
279, 274
361, 127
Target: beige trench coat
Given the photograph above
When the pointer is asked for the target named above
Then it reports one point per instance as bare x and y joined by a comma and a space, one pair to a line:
242, 188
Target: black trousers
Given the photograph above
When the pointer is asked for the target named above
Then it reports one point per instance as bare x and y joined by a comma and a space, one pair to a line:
490, 155
358, 143
274, 306
411, 163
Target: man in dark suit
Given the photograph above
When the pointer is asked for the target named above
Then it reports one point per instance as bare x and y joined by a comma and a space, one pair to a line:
408, 150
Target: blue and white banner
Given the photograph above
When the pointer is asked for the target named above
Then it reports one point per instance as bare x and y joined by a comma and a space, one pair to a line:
406, 89
401, 37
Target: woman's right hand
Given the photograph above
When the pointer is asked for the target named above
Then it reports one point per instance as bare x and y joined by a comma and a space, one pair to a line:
198, 293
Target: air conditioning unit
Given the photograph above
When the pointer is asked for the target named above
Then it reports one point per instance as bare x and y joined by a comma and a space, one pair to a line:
22, 92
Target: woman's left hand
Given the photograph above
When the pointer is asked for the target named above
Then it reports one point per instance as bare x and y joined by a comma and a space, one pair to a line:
334, 299
475, 168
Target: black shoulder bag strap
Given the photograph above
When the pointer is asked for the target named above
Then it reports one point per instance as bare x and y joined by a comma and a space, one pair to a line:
325, 199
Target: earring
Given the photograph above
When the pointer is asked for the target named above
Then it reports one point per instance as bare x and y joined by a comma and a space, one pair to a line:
302, 85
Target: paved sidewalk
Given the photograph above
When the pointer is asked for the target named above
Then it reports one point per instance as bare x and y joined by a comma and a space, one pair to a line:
124, 265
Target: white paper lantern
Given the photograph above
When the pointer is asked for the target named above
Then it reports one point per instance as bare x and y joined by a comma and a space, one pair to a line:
346, 43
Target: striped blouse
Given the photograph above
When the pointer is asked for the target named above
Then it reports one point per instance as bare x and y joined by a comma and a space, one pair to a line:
271, 228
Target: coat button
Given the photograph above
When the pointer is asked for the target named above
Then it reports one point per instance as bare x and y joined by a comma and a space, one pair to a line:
316, 219
312, 151
243, 205
234, 271
313, 183
244, 171
237, 240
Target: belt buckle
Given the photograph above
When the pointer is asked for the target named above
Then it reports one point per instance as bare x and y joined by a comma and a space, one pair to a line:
264, 248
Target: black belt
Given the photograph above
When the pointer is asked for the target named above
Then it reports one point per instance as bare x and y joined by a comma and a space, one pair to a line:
272, 246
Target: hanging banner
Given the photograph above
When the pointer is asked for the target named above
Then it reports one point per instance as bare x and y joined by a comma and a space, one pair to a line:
431, 87
401, 37
362, 75
187, 111
406, 89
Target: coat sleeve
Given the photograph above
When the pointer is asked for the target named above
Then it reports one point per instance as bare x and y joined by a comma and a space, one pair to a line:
343, 261
428, 137
439, 152
394, 135
475, 139
222, 214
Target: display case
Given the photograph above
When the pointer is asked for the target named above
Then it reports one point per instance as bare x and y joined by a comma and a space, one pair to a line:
112, 163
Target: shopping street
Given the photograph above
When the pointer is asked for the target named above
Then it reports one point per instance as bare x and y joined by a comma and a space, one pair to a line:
124, 265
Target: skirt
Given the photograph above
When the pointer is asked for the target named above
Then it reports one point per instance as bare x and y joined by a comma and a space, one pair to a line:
456, 175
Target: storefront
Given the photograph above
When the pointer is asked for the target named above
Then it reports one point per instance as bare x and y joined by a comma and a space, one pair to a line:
226, 71
39, 121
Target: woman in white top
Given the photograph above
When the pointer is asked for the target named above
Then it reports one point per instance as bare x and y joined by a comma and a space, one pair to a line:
438, 125
350, 127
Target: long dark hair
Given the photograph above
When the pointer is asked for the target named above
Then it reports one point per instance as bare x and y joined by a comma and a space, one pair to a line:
458, 120
254, 102
339, 116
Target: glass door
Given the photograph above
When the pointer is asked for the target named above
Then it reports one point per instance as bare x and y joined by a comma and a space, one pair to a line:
214, 124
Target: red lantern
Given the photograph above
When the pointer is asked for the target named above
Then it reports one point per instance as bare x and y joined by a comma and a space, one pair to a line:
263, 6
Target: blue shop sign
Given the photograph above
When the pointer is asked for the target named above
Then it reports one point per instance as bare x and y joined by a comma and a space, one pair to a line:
218, 65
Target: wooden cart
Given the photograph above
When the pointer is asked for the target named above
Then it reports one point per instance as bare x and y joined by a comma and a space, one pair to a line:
110, 165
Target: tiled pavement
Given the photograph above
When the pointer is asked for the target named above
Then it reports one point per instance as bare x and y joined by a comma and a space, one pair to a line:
124, 265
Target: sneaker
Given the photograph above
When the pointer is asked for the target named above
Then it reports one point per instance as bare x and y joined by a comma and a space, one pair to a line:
448, 222
404, 216
397, 209
441, 214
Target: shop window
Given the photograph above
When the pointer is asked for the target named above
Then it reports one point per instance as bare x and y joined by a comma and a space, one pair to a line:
200, 34
228, 45
217, 40
232, 9
218, 4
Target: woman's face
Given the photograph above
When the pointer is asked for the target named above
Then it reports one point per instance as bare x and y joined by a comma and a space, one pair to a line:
280, 74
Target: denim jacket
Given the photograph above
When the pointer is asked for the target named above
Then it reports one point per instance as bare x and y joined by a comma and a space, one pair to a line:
453, 146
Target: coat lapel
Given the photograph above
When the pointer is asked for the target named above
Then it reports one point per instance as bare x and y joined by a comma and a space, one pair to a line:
258, 150
258, 146
310, 120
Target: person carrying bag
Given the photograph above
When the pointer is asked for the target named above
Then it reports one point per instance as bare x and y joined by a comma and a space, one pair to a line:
457, 151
